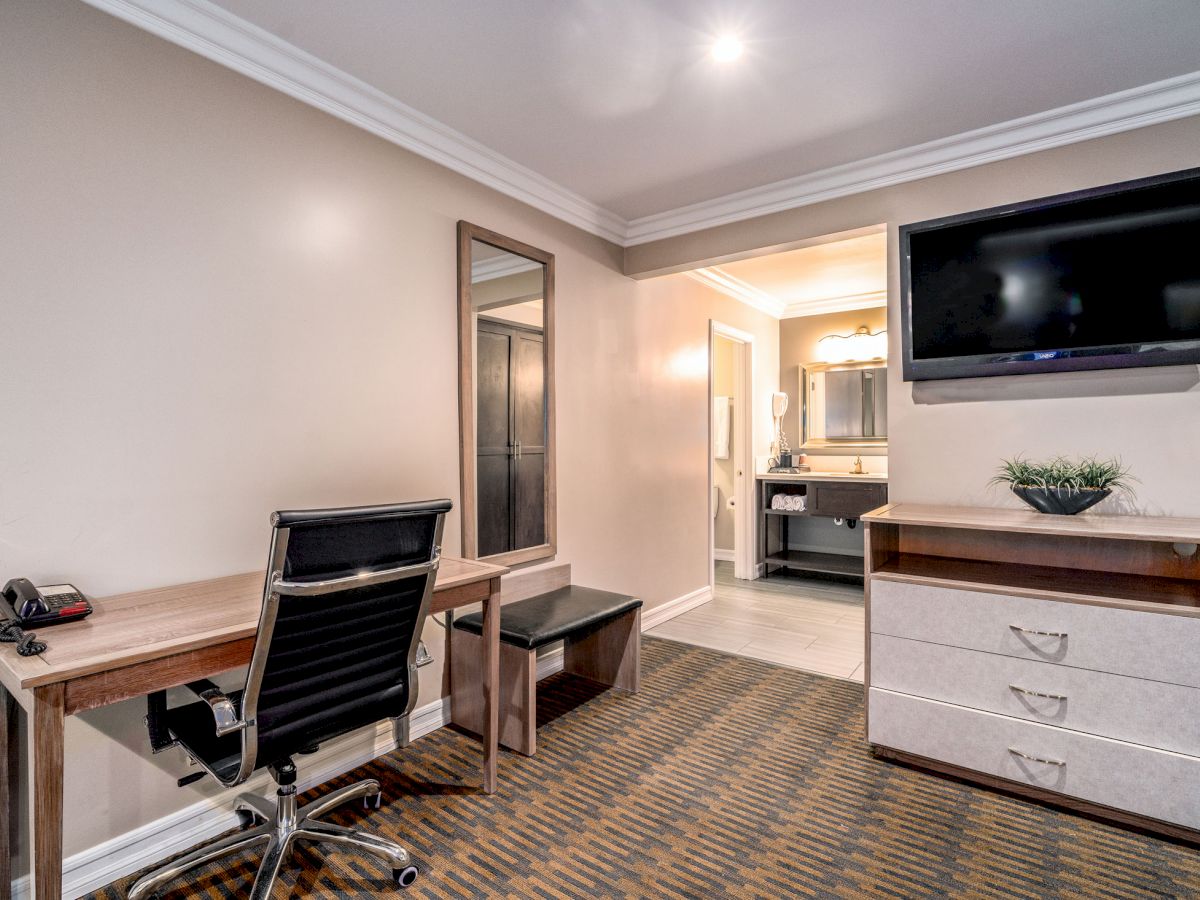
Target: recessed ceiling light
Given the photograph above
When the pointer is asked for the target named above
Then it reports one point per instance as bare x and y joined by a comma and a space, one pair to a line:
727, 48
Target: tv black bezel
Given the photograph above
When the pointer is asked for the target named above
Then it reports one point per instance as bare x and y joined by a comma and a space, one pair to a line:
1113, 356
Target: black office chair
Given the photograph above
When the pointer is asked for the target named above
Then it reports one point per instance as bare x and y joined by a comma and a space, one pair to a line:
346, 596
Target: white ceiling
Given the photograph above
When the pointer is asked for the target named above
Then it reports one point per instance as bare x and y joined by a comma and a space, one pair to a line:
618, 102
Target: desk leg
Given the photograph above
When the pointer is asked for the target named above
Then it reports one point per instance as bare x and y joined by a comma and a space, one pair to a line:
6, 819
491, 685
46, 790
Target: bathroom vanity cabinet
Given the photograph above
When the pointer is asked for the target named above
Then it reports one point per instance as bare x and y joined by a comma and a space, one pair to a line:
826, 495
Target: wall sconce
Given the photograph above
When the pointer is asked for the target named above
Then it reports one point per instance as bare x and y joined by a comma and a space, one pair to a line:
857, 347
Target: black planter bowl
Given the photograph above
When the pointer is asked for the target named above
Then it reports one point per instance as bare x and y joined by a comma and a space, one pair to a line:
1060, 501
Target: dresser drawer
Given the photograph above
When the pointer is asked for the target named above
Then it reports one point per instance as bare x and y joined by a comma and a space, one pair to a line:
1153, 713
1153, 783
1159, 646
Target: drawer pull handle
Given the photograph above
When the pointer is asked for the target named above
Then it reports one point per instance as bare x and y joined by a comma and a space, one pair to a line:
1036, 759
1021, 690
1057, 634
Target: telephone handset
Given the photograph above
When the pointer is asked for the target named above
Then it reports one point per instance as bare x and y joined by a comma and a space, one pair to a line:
39, 607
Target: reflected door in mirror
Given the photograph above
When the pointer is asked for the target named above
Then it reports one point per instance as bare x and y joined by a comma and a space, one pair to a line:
511, 451
856, 404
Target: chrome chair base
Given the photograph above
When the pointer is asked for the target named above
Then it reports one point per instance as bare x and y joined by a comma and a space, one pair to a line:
279, 826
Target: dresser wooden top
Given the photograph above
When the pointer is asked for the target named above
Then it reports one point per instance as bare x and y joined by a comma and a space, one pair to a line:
1095, 525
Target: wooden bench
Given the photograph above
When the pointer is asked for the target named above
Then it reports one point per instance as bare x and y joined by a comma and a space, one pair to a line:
601, 632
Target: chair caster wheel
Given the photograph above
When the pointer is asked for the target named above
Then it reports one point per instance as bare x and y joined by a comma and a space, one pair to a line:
406, 876
378, 800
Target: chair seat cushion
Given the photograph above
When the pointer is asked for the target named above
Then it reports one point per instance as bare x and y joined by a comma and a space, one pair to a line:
553, 616
192, 725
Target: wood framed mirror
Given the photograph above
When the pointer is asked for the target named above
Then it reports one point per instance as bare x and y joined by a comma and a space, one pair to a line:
844, 406
506, 397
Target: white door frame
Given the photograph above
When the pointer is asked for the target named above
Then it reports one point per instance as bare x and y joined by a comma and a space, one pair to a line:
742, 429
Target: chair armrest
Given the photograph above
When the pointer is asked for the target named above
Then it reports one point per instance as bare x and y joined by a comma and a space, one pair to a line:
225, 714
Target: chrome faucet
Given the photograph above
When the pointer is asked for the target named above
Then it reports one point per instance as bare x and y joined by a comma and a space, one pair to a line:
857, 470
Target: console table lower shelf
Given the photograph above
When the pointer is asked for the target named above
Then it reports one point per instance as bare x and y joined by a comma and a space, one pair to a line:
1057, 659
812, 561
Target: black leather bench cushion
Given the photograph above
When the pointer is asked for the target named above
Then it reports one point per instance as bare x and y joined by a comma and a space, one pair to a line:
552, 616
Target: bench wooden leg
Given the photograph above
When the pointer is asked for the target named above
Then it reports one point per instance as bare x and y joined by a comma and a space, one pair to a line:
517, 691
612, 654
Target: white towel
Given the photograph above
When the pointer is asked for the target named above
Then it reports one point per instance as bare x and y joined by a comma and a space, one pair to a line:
721, 427
788, 502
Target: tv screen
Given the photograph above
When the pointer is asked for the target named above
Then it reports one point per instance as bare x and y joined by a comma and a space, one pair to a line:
1103, 278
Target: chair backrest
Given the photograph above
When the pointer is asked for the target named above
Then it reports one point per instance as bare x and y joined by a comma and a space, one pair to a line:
346, 597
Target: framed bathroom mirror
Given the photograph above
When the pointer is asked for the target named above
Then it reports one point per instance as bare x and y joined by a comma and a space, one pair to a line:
506, 397
844, 406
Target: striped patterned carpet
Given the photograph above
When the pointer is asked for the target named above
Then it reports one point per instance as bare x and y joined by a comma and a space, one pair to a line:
724, 777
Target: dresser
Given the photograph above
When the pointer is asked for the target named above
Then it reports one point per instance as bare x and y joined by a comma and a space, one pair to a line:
1057, 657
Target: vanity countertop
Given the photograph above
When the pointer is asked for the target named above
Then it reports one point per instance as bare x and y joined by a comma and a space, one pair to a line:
869, 477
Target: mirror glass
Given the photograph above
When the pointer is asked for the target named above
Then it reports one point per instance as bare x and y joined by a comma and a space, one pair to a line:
507, 310
844, 405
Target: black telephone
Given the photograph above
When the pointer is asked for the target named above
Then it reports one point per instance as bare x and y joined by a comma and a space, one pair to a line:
34, 607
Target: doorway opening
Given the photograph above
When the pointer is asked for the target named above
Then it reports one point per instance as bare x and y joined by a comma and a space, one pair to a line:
827, 462
731, 460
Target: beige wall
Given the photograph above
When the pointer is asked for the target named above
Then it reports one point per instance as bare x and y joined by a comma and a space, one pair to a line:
947, 437
723, 386
798, 339
219, 302
637, 383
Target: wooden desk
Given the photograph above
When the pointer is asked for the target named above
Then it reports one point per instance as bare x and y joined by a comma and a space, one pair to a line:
137, 643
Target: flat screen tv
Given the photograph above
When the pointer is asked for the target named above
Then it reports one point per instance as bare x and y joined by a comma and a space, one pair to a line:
1099, 279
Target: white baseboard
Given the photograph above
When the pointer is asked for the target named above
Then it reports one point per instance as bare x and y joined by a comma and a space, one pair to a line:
97, 866
115, 858
722, 555
677, 607
549, 663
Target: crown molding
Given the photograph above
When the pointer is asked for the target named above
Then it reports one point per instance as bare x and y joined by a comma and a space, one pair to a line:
214, 33
744, 292
870, 300
1161, 101
739, 290
218, 35
500, 266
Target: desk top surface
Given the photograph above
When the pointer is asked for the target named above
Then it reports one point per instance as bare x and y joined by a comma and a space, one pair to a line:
130, 628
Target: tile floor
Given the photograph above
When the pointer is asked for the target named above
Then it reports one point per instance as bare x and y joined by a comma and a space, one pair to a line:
799, 622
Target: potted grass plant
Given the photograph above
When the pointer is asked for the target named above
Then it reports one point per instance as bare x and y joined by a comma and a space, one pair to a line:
1064, 486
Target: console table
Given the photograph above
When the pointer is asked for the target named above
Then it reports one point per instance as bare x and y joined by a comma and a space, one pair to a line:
827, 495
1055, 657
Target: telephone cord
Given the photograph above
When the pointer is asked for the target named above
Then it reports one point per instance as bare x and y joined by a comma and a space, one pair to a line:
27, 643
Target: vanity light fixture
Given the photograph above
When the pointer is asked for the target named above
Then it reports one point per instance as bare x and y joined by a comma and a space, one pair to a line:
726, 48
858, 347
